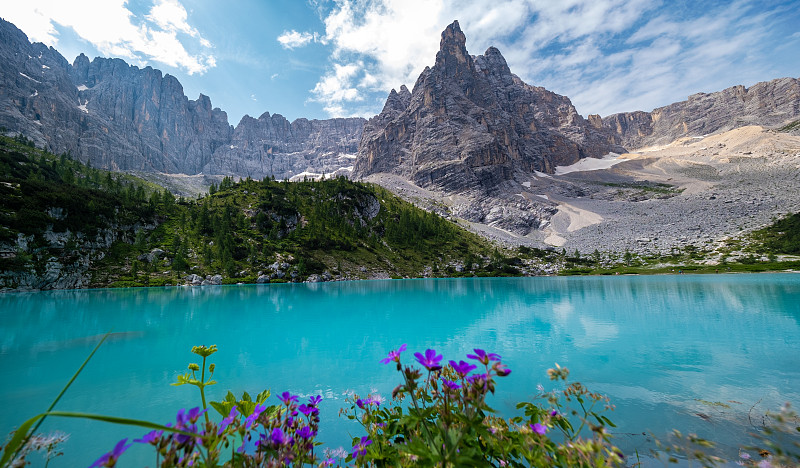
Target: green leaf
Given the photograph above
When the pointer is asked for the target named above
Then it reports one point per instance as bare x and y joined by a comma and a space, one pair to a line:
221, 407
608, 421
246, 397
18, 440
262, 397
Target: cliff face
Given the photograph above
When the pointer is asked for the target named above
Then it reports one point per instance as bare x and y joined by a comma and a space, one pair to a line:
470, 123
119, 117
105, 112
270, 145
767, 103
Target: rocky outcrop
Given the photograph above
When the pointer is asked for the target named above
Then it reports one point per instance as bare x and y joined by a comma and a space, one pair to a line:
120, 117
271, 146
105, 112
768, 103
471, 124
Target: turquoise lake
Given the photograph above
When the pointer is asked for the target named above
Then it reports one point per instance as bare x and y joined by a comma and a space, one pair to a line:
661, 347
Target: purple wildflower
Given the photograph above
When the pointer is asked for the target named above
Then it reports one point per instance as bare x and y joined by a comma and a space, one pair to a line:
539, 428
369, 401
278, 437
150, 438
394, 355
501, 369
477, 379
287, 397
314, 400
327, 462
227, 421
308, 409
110, 458
360, 449
185, 418
430, 360
553, 413
462, 367
305, 432
253, 417
450, 384
483, 356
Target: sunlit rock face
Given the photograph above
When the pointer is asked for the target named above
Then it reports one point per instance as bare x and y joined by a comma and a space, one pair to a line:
470, 123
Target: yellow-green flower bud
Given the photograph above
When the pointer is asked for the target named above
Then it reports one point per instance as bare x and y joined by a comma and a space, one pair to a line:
194, 367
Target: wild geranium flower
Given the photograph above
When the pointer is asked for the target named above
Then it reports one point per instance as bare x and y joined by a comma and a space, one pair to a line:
227, 421
483, 356
368, 401
278, 437
253, 417
360, 449
450, 384
539, 428
462, 368
110, 458
394, 355
553, 413
287, 397
430, 360
308, 409
150, 438
314, 400
501, 369
305, 432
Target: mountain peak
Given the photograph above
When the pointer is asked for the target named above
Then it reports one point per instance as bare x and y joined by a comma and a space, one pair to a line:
453, 45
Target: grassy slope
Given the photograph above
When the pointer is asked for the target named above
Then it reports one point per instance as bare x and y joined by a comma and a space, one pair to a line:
350, 230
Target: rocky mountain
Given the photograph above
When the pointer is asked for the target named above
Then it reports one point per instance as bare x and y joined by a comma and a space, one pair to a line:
470, 123
120, 117
272, 146
767, 103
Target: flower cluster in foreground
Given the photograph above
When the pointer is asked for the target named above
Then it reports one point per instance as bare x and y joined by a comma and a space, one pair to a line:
438, 416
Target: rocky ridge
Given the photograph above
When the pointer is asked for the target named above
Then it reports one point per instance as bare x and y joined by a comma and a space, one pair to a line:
768, 103
473, 128
123, 118
272, 146
470, 123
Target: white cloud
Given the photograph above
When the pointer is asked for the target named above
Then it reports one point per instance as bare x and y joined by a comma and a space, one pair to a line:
292, 39
115, 31
606, 55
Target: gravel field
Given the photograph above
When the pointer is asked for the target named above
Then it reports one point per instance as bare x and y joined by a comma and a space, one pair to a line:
697, 191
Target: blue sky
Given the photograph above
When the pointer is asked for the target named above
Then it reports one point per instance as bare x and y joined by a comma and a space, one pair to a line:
336, 58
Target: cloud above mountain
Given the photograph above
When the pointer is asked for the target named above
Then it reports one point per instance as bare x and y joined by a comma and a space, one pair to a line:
161, 33
607, 55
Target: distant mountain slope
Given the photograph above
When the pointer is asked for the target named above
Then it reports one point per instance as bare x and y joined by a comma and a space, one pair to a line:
272, 146
469, 123
768, 103
66, 225
120, 117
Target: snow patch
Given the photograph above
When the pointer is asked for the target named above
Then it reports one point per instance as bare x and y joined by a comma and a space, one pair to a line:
526, 184
45, 67
28, 77
347, 156
543, 196
306, 175
35, 93
82, 87
83, 106
590, 164
542, 174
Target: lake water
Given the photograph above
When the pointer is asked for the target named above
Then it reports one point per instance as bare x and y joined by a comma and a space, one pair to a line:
661, 347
